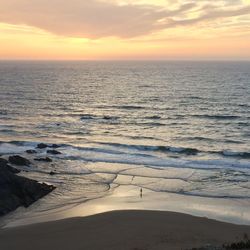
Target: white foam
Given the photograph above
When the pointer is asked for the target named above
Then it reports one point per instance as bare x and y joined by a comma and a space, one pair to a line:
10, 148
111, 156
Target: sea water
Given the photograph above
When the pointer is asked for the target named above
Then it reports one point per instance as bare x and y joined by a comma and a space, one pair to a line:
168, 127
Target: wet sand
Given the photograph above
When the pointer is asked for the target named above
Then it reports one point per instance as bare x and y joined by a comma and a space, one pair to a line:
123, 230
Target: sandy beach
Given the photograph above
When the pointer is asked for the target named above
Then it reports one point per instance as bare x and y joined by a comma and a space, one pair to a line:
123, 230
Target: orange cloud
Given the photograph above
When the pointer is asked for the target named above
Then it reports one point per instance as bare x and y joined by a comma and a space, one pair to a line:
96, 19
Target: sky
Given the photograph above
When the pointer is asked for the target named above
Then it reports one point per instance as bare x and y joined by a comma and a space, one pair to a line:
125, 29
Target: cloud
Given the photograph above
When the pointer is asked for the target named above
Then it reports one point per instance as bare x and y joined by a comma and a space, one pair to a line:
97, 19
80, 18
211, 15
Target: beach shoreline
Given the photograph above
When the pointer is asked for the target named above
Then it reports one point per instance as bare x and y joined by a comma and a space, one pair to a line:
128, 197
124, 229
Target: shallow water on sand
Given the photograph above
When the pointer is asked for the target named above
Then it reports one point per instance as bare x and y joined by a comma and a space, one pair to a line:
178, 128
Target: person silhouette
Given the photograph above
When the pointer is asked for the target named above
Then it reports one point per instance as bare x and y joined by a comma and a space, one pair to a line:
141, 192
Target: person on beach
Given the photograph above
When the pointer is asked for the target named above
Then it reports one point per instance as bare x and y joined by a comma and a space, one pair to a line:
141, 193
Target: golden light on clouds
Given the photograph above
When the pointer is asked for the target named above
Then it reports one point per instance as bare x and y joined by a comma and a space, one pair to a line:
124, 29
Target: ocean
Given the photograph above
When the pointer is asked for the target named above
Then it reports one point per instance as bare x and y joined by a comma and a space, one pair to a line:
166, 126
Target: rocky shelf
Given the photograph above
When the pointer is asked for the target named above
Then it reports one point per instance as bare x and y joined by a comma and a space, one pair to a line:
17, 190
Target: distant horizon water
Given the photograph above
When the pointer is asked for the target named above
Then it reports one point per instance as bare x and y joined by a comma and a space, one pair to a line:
222, 60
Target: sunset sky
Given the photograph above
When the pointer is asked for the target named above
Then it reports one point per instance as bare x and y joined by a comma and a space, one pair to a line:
124, 29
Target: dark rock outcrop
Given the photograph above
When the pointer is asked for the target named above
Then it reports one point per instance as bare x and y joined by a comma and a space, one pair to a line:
12, 170
31, 151
18, 191
47, 159
53, 152
19, 160
190, 151
54, 146
41, 145
107, 117
4, 164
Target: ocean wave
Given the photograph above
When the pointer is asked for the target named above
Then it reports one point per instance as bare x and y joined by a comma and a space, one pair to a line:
19, 143
129, 107
181, 150
7, 131
157, 162
232, 141
217, 117
3, 112
244, 105
195, 97
244, 124
245, 155
153, 117
126, 107
201, 138
88, 117
151, 124
96, 117
139, 155
116, 148
155, 148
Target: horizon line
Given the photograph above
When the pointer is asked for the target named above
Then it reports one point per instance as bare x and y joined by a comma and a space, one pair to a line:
128, 60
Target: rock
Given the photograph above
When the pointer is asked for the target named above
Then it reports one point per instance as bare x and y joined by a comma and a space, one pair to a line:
190, 151
47, 159
54, 146
12, 170
31, 151
4, 164
18, 191
53, 152
41, 145
19, 160
107, 117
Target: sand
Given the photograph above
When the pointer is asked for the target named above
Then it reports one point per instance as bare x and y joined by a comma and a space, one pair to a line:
130, 230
